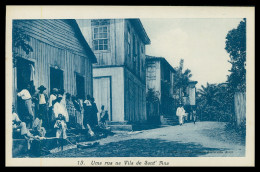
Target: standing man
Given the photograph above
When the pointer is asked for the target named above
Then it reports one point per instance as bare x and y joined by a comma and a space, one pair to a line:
78, 112
87, 115
28, 113
194, 115
52, 101
180, 112
71, 111
41, 103
94, 119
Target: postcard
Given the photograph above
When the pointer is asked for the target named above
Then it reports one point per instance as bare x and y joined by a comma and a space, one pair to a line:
132, 86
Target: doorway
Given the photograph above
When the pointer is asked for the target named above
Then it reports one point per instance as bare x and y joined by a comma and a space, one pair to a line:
80, 86
102, 94
56, 78
24, 78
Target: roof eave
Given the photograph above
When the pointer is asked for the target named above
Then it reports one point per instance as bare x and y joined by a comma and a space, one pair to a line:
89, 51
140, 27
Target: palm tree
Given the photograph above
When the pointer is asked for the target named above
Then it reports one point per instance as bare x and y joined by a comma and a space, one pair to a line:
181, 80
215, 102
207, 100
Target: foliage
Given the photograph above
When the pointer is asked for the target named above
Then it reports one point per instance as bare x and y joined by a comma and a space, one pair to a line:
152, 96
214, 102
20, 39
236, 47
181, 80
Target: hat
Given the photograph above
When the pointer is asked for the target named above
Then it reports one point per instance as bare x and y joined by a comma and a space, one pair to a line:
41, 88
55, 90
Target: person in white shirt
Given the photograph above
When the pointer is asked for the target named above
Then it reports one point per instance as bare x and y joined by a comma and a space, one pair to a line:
52, 101
27, 98
180, 112
58, 108
42, 104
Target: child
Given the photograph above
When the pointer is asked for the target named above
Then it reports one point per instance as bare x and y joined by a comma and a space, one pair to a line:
61, 127
103, 117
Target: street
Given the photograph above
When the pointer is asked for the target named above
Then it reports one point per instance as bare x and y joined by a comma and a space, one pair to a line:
204, 139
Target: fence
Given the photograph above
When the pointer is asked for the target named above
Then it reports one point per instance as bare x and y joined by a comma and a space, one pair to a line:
240, 107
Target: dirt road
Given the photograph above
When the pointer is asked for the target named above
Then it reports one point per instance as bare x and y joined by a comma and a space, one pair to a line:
202, 139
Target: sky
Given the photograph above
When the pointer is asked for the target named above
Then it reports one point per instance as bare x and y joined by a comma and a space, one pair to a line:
200, 42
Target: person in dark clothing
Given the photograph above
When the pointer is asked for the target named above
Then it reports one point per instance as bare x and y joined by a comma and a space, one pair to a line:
103, 117
78, 112
87, 115
41, 100
94, 111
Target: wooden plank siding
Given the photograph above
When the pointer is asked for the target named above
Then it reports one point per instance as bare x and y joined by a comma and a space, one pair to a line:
131, 93
139, 69
114, 56
135, 102
55, 43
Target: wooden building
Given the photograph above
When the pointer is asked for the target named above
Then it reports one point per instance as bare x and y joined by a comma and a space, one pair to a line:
61, 57
160, 78
119, 75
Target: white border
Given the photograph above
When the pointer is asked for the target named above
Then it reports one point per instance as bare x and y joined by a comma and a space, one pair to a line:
84, 12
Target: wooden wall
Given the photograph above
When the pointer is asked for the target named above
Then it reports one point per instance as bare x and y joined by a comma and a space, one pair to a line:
139, 69
134, 91
153, 76
55, 43
240, 107
114, 56
117, 54
135, 98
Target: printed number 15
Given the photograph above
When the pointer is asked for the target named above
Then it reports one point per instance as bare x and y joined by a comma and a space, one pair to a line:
81, 162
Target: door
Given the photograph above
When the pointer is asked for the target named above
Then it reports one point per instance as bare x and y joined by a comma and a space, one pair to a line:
102, 94
56, 78
24, 78
80, 86
24, 72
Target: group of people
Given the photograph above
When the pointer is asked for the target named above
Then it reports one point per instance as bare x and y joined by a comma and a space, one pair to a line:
56, 112
182, 115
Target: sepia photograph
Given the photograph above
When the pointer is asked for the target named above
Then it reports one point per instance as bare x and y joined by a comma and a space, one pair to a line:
129, 90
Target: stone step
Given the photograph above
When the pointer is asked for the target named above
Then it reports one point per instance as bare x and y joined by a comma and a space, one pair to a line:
121, 127
116, 122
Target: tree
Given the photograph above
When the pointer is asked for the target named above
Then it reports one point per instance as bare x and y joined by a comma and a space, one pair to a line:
214, 102
20, 39
236, 47
181, 80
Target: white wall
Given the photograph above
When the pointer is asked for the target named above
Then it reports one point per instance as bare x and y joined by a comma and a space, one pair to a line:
117, 83
153, 76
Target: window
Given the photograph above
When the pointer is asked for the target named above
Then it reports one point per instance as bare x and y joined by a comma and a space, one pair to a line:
100, 29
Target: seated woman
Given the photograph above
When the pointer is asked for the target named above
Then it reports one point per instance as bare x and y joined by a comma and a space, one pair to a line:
19, 127
20, 131
37, 128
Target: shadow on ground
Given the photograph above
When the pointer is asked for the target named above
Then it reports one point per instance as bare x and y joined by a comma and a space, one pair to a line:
140, 148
